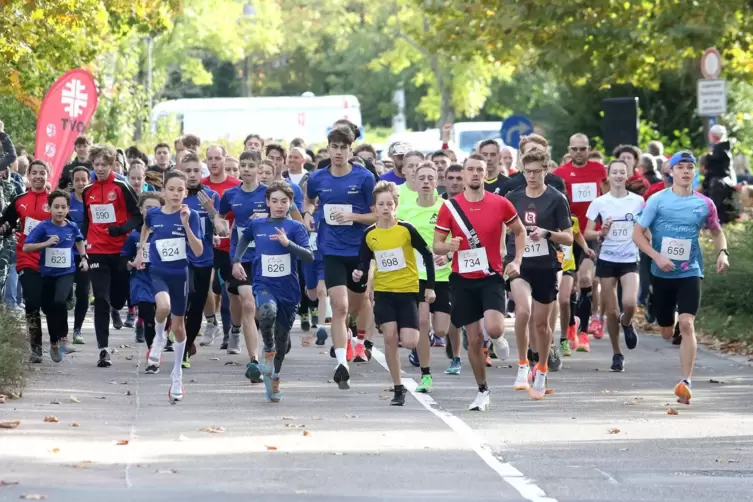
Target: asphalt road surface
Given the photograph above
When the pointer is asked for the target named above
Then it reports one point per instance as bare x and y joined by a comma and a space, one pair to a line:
600, 436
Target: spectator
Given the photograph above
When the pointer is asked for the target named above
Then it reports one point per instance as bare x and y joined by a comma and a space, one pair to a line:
647, 167
656, 148
81, 147
253, 143
741, 164
720, 180
630, 155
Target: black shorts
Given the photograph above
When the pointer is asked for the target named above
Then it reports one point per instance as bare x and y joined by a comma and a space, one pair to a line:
233, 284
682, 295
613, 269
401, 308
443, 301
472, 297
338, 271
543, 282
223, 266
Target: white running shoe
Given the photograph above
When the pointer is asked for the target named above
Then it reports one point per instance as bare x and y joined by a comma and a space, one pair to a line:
210, 333
538, 391
175, 393
234, 344
481, 403
521, 381
501, 347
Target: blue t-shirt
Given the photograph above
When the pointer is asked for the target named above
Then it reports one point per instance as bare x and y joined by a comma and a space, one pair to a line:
56, 260
243, 205
393, 177
297, 195
675, 223
274, 267
140, 282
76, 215
350, 193
207, 227
168, 244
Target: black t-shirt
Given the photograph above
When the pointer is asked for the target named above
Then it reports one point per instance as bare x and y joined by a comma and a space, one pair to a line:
495, 186
518, 180
66, 179
550, 211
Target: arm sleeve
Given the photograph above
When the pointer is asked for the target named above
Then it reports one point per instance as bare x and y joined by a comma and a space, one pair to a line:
9, 151
419, 244
299, 244
132, 206
562, 215
444, 220
244, 239
509, 213
365, 255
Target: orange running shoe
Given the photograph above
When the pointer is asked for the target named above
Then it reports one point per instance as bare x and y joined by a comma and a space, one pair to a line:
487, 358
360, 354
583, 345
598, 329
571, 337
682, 391
350, 353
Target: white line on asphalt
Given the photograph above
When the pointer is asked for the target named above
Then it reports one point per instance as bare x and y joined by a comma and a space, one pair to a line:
525, 486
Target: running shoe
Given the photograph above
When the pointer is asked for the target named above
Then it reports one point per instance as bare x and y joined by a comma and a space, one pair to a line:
487, 359
413, 358
554, 361
583, 345
225, 338
618, 363
305, 323
130, 321
436, 341
117, 322
153, 360
77, 338
565, 348
332, 352
268, 367
399, 397
342, 375
140, 331
350, 354
210, 334
273, 394
538, 389
36, 355
70, 303
454, 368
55, 354
631, 337
321, 336
425, 386
360, 354
186, 364
598, 329
572, 334
521, 381
314, 317
176, 392
104, 359
234, 344
481, 403
501, 347
683, 393
65, 346
254, 372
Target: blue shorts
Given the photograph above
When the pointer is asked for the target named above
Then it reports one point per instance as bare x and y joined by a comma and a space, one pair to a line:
313, 273
175, 284
286, 312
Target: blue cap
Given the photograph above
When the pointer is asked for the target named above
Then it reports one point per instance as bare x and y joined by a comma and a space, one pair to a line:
681, 157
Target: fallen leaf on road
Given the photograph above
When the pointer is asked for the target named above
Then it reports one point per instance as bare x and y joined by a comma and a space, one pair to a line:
100, 397
549, 391
330, 381
728, 461
351, 416
84, 464
193, 380
214, 358
125, 346
121, 442
630, 403
288, 418
113, 382
623, 449
338, 453
271, 448
74, 424
605, 391
124, 382
295, 426
213, 429
129, 358
13, 395
8, 483
74, 399
52, 419
384, 398
114, 351
316, 418
3, 398
33, 496
672, 411
613, 431
306, 433
10, 424
56, 450
711, 380
183, 438
54, 402
166, 471
129, 393
232, 363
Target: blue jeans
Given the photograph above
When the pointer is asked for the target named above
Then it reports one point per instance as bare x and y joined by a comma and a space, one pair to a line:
12, 293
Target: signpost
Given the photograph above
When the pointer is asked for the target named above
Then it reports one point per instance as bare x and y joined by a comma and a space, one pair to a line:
712, 91
513, 128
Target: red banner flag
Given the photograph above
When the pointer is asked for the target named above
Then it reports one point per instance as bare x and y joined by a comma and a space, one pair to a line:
66, 111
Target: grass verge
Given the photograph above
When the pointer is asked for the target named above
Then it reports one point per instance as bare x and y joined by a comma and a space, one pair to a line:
14, 352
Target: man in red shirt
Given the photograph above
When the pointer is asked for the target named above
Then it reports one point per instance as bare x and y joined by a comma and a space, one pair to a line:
477, 219
584, 180
659, 185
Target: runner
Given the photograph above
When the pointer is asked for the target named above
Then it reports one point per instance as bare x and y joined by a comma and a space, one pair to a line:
675, 217
453, 181
170, 230
391, 244
315, 286
546, 215
54, 239
396, 152
477, 221
345, 198
495, 179
566, 297
518, 180
80, 177
618, 258
280, 243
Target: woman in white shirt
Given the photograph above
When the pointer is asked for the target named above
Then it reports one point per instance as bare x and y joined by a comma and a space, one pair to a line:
618, 255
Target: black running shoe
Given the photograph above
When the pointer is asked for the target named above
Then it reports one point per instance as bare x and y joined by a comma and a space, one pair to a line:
117, 322
104, 359
618, 363
631, 337
342, 376
399, 398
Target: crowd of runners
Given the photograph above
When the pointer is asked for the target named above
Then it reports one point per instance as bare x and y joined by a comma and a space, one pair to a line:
422, 250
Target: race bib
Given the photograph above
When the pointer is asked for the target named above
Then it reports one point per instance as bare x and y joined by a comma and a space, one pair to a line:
472, 260
275, 265
333, 208
171, 249
621, 231
422, 266
390, 260
312, 241
103, 213
584, 192
536, 248
57, 257
146, 253
675, 249
568, 253
29, 224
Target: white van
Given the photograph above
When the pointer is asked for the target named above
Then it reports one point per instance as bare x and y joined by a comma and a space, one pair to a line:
283, 118
466, 135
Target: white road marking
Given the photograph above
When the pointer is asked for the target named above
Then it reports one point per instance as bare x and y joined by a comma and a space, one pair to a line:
523, 485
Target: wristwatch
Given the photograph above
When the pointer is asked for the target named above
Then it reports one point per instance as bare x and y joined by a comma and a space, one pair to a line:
548, 235
723, 251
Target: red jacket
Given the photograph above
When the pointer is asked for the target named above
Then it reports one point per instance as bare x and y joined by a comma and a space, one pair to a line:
111, 212
655, 188
27, 209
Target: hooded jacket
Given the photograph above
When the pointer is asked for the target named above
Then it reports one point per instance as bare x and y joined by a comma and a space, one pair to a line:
111, 211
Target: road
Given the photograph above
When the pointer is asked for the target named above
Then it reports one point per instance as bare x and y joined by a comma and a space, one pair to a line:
324, 444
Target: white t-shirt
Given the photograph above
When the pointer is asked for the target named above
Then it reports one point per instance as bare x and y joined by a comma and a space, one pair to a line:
296, 178
204, 170
618, 245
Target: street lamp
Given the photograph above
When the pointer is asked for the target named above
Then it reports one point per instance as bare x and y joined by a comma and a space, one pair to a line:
248, 12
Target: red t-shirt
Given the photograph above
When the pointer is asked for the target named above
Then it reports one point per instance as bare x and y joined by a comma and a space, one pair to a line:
655, 188
487, 218
583, 185
220, 188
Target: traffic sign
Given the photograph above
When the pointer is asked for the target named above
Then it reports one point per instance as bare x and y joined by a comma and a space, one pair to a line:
712, 98
513, 128
711, 64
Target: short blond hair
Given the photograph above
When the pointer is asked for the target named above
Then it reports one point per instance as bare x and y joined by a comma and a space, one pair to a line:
387, 187
533, 138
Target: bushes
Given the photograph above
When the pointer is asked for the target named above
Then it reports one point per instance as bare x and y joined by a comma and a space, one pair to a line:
727, 303
14, 352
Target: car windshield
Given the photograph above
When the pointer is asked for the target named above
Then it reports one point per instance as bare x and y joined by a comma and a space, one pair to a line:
469, 139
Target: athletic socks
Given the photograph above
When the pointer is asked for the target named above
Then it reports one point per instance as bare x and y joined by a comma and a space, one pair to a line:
341, 356
425, 371
179, 349
211, 319
159, 334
